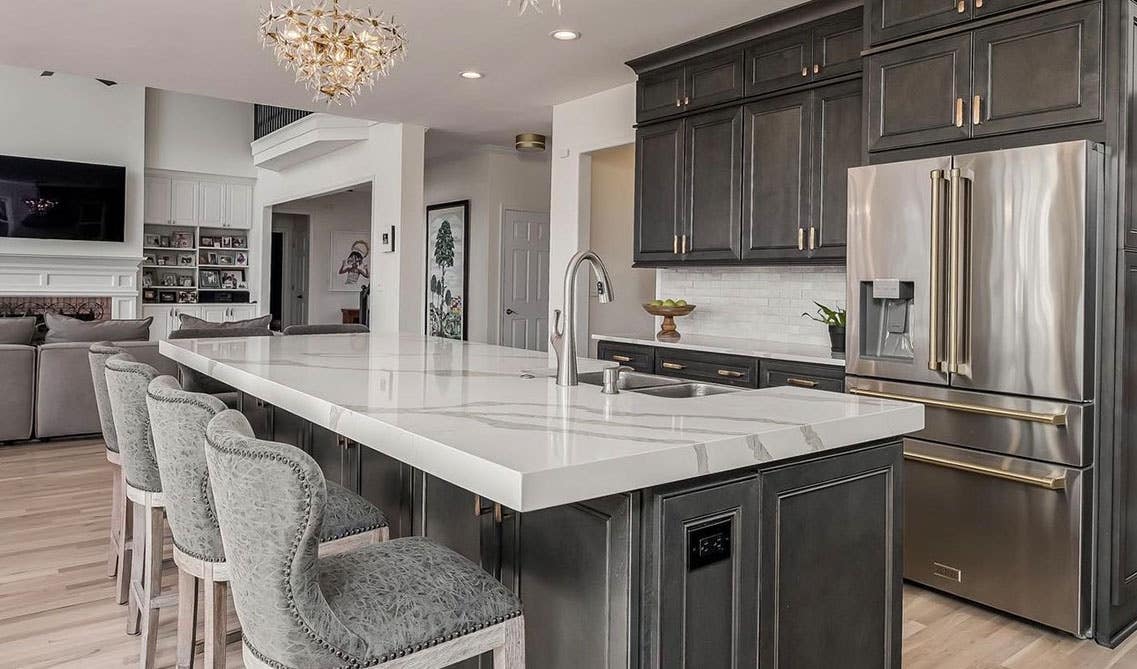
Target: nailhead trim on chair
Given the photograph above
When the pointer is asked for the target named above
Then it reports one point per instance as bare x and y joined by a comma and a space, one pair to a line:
146, 423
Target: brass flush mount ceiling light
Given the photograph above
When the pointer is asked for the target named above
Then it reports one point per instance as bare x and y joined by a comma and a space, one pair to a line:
529, 141
333, 51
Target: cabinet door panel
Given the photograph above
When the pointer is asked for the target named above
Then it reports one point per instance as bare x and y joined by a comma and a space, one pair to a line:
893, 19
238, 206
639, 358
211, 208
914, 92
659, 183
989, 7
712, 186
659, 94
1039, 71
779, 62
157, 201
837, 43
183, 198
1123, 569
776, 157
837, 146
713, 79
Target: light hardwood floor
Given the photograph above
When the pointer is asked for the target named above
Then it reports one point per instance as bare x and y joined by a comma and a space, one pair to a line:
57, 607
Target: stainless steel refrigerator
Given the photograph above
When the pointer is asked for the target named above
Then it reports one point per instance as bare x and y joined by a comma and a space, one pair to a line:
971, 289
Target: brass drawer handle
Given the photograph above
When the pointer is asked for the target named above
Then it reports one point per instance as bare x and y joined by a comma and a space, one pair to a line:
812, 238
801, 383
805, 71
673, 365
959, 112
621, 358
1056, 419
675, 245
961, 6
801, 239
731, 373
816, 68
686, 100
683, 244
976, 110
1047, 482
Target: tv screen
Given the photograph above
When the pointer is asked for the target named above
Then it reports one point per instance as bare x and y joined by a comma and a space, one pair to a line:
53, 199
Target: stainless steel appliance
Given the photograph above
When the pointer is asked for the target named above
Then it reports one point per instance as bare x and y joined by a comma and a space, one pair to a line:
971, 289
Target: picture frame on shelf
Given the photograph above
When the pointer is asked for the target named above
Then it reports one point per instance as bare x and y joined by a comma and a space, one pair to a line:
151, 240
231, 280
187, 297
164, 241
206, 241
209, 278
185, 260
149, 259
149, 295
185, 282
240, 243
224, 260
212, 259
183, 240
226, 242
167, 296
147, 279
242, 259
163, 261
170, 280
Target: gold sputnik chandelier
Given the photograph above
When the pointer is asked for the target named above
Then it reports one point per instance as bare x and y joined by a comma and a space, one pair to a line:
534, 4
334, 51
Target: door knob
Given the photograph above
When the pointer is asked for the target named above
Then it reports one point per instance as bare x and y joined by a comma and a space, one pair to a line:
510, 312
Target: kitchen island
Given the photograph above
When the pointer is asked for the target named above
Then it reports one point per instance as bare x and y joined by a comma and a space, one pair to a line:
749, 528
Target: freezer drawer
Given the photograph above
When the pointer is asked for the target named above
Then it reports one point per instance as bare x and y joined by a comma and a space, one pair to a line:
1008, 533
1023, 427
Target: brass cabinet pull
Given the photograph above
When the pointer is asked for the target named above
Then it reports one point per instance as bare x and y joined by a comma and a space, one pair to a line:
801, 383
976, 114
1056, 419
673, 365
936, 270
955, 262
686, 100
978, 3
675, 245
961, 6
801, 239
678, 102
805, 71
621, 358
1047, 482
959, 112
683, 244
731, 373
479, 511
816, 68
812, 238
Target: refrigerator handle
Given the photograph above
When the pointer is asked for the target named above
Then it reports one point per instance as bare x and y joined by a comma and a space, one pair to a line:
955, 266
936, 307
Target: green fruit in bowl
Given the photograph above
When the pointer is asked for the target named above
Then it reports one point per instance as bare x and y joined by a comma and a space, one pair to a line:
680, 303
669, 303
656, 303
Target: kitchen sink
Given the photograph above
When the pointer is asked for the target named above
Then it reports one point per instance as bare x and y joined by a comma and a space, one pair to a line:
686, 390
629, 380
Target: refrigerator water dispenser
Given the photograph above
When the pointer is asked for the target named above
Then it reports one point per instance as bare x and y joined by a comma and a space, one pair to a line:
887, 308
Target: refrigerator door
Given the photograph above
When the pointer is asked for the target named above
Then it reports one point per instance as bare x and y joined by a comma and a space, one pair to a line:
1021, 277
895, 318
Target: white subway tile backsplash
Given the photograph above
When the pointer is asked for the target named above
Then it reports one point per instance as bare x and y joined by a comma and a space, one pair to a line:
754, 302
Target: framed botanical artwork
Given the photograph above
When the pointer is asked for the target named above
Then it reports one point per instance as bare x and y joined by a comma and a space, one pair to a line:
350, 266
447, 269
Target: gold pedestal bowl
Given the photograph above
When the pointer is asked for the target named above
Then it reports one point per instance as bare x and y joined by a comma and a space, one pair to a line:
668, 331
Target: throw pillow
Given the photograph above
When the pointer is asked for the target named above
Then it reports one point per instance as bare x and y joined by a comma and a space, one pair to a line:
193, 323
17, 330
64, 328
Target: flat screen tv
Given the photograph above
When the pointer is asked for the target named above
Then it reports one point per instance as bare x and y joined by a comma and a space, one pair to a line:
54, 199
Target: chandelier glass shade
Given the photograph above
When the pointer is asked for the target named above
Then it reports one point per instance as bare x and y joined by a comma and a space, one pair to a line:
335, 52
534, 4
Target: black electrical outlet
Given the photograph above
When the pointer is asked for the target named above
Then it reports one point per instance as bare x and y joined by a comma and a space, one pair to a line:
708, 544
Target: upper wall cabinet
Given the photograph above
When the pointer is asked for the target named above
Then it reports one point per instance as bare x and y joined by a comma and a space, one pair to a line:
699, 83
1035, 72
890, 20
828, 48
188, 200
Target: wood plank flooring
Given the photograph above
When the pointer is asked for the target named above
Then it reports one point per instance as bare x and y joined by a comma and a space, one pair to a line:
57, 607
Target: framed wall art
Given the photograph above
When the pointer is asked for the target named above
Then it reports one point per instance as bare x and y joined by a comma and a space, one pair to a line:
447, 269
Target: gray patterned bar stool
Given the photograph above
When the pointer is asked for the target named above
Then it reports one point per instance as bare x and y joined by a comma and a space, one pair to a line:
127, 380
402, 604
326, 328
178, 420
118, 562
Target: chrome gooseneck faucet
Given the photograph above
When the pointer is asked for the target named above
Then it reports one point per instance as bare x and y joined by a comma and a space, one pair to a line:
563, 338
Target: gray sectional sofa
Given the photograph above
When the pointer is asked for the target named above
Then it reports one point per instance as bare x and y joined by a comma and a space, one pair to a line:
46, 389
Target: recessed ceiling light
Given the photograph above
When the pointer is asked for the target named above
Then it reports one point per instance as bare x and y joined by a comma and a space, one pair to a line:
470, 74
564, 35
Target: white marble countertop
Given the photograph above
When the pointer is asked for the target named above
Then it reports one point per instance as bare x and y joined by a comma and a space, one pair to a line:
754, 348
490, 420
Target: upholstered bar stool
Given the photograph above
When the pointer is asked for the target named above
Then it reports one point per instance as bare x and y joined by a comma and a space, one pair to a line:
326, 328
127, 380
178, 420
118, 562
400, 604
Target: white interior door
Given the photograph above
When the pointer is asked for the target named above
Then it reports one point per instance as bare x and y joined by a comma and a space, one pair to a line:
525, 280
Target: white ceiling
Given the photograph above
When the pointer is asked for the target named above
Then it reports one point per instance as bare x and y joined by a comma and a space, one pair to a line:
210, 47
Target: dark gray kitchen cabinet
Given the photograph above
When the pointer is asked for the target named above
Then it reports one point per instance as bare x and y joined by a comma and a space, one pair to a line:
837, 145
259, 413
659, 94
809, 609
732, 370
981, 8
712, 185
1121, 533
776, 170
890, 20
387, 483
698, 83
919, 94
334, 456
1039, 71
639, 358
837, 44
778, 62
775, 373
698, 584
659, 191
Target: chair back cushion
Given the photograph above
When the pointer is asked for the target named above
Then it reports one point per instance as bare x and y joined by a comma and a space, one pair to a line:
64, 328
97, 356
270, 500
20, 330
194, 323
127, 380
326, 328
178, 420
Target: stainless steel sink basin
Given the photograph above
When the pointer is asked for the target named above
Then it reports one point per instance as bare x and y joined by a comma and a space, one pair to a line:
687, 390
629, 380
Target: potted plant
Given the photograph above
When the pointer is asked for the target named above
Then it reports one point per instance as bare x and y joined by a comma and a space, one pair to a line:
835, 318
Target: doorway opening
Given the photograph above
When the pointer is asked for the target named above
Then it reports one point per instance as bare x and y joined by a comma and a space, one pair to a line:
289, 271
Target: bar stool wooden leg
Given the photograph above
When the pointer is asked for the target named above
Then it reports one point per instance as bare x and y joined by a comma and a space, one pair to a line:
187, 619
152, 585
216, 609
125, 523
137, 562
511, 654
118, 500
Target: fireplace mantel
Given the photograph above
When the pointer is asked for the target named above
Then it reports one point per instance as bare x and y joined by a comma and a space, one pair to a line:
115, 277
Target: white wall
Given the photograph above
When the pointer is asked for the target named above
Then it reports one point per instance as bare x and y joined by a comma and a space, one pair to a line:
493, 180
193, 133
349, 212
392, 160
611, 236
599, 121
66, 117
